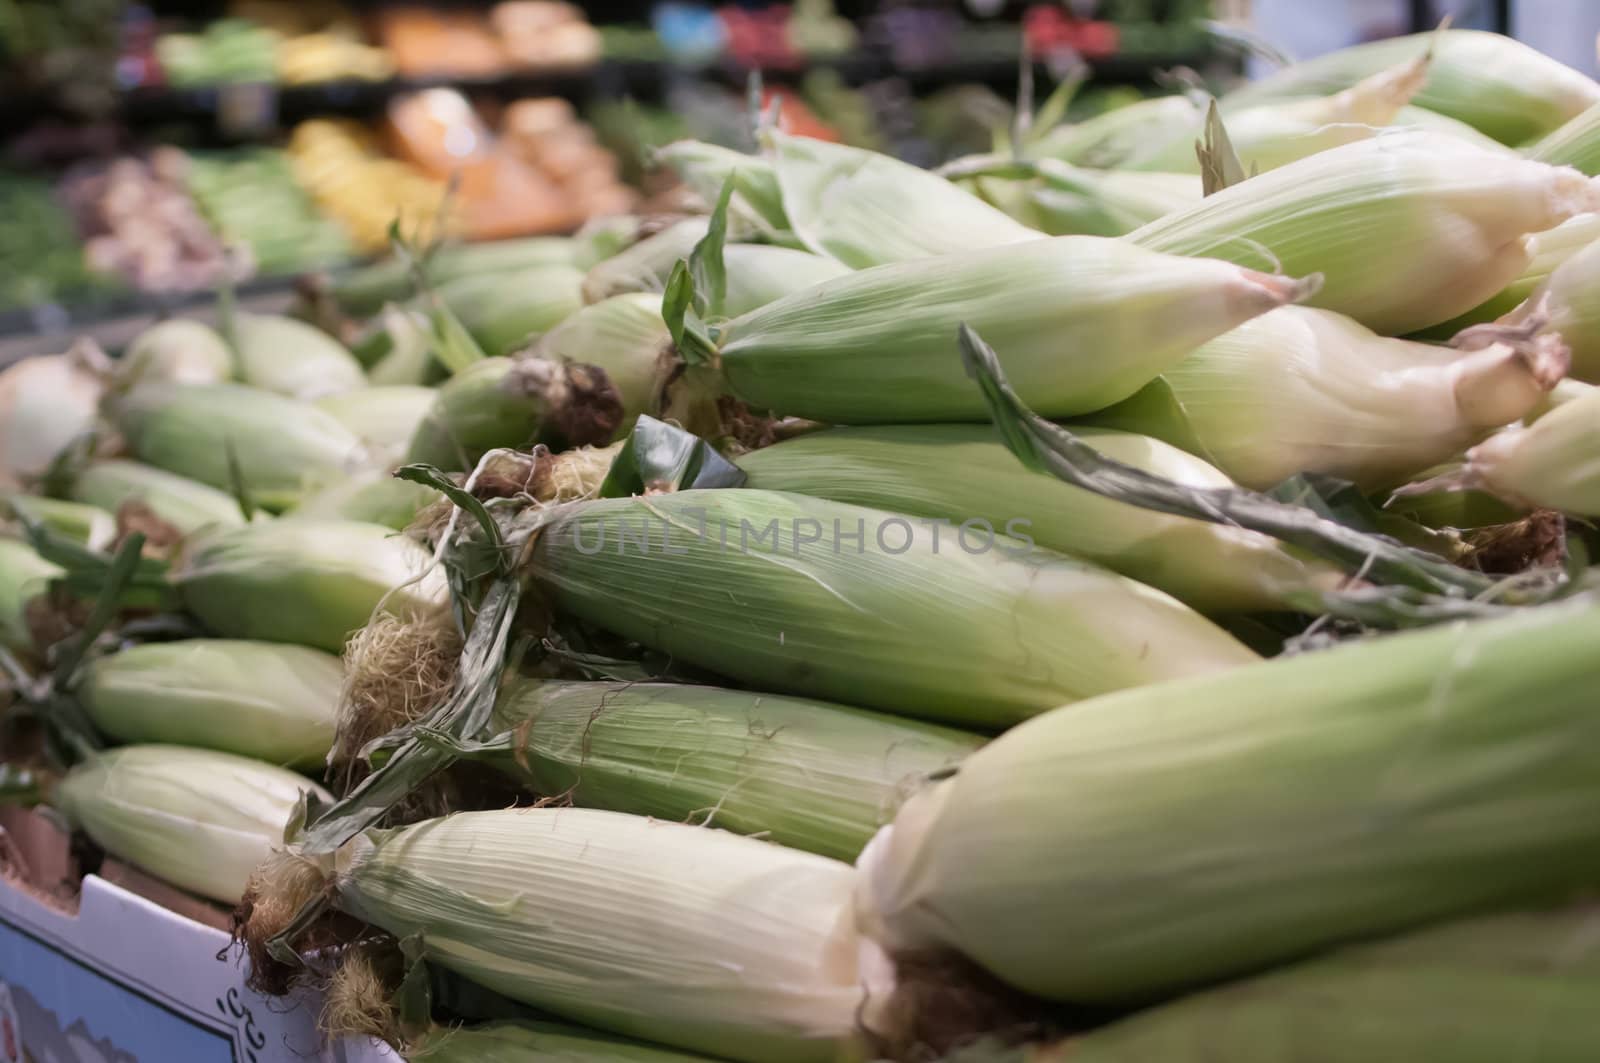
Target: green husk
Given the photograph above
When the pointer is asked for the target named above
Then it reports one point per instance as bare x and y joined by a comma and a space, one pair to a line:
538, 1042
265, 700
1408, 228
198, 819
1518, 986
1494, 83
306, 582
1575, 144
645, 266
1064, 200
1302, 390
1123, 137
292, 358
374, 497
1567, 304
507, 310
806, 774
384, 417
705, 168
188, 505
770, 589
964, 473
364, 291
866, 209
690, 937
880, 345
759, 274
1219, 825
175, 351
284, 448
78, 521
24, 575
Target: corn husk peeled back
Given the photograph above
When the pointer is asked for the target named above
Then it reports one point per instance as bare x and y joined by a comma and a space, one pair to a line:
1303, 390
199, 819
689, 937
880, 345
1516, 986
1408, 228
1146, 842
806, 774
266, 700
983, 636
963, 472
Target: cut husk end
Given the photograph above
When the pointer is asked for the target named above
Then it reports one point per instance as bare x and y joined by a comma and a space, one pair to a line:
943, 1003
582, 405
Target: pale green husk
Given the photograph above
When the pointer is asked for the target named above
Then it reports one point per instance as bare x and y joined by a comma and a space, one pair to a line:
284, 448
866, 209
265, 700
538, 1042
963, 472
376, 498
1553, 463
759, 274
78, 521
808, 774
364, 291
198, 819
1575, 144
505, 311
1519, 986
1129, 847
188, 505
1494, 83
646, 265
307, 582
24, 575
1547, 252
1069, 201
1569, 302
384, 417
1408, 228
290, 357
176, 351
1079, 322
687, 936
625, 336
985, 637
1302, 390
1123, 137
495, 402
705, 168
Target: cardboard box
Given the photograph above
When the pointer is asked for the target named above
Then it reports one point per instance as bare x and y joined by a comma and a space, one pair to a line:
102, 972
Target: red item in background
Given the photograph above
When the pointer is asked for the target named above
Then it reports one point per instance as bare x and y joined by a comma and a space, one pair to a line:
795, 117
760, 39
1050, 29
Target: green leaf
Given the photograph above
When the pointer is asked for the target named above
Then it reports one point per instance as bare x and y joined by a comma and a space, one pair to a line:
429, 476
706, 266
237, 484
1412, 586
660, 457
688, 331
1054, 109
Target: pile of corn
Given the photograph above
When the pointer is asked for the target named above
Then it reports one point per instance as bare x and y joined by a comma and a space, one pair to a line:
842, 733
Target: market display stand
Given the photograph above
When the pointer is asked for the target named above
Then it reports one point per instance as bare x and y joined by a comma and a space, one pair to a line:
114, 971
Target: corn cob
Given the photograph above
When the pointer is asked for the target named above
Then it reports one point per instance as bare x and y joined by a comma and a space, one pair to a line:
963, 472
78, 521
1158, 839
532, 1042
292, 358
385, 418
199, 819
1494, 83
759, 274
1553, 463
175, 352
866, 209
1302, 390
505, 311
1080, 323
1575, 144
373, 498
1121, 138
1515, 986
306, 582
258, 699
1068, 201
1446, 220
705, 168
624, 337
363, 291
1567, 303
983, 630
645, 266
24, 575
806, 774
186, 504
284, 448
